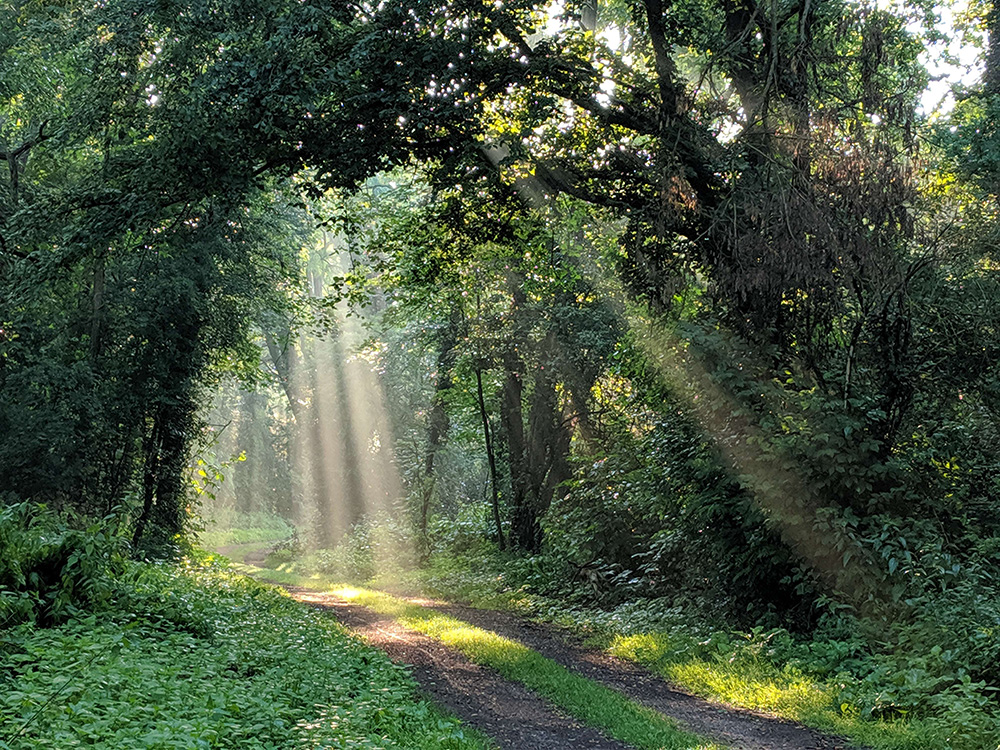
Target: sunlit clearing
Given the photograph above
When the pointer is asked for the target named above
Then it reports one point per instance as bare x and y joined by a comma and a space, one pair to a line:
311, 597
421, 602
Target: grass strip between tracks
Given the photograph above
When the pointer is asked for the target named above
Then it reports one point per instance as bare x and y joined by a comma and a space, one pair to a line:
588, 701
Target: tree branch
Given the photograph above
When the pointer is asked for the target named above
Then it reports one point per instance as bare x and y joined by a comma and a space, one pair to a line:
30, 143
671, 95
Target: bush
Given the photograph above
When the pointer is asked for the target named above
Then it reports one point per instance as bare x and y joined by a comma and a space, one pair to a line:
381, 545
49, 571
278, 557
223, 528
659, 516
465, 533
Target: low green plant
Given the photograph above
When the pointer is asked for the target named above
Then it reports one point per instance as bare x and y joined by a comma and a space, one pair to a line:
223, 529
50, 571
278, 557
380, 547
203, 658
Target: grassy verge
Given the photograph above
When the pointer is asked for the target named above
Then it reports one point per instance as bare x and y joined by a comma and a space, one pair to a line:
742, 679
588, 701
203, 658
762, 670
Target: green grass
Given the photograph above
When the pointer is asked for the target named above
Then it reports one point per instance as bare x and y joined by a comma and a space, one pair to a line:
203, 658
754, 683
243, 528
590, 702
226, 537
733, 668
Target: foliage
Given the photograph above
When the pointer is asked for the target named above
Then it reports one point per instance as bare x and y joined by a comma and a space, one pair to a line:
51, 572
632, 524
202, 658
379, 546
228, 528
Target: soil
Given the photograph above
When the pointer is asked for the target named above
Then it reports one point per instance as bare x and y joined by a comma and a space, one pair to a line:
516, 718
737, 728
511, 715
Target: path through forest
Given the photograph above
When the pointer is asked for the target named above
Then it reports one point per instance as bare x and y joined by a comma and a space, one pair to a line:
516, 718
737, 728
509, 713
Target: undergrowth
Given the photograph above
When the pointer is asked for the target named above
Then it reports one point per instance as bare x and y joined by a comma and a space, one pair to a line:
887, 695
224, 529
142, 655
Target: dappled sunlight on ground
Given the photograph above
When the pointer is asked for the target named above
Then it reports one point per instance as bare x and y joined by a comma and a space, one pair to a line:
759, 685
521, 654
510, 658
420, 601
312, 597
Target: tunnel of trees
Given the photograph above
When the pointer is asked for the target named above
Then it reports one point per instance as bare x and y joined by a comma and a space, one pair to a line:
683, 298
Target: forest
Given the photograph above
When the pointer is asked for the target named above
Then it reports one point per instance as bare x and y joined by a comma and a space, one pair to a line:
481, 374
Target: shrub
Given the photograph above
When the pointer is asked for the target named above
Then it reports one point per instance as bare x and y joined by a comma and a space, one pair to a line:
50, 571
373, 546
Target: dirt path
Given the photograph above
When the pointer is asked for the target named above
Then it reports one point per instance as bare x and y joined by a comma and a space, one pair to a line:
513, 716
740, 729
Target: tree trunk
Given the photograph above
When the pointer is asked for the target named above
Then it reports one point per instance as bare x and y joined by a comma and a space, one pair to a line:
991, 77
437, 428
549, 439
491, 457
523, 520
162, 514
97, 309
150, 470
